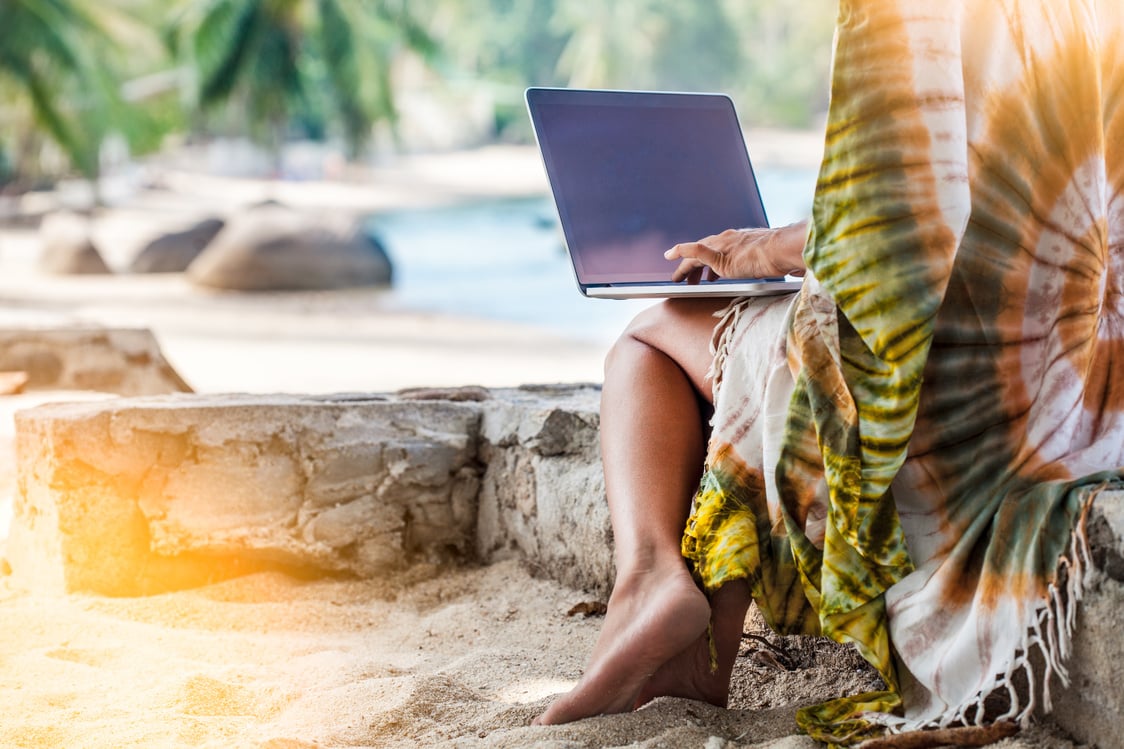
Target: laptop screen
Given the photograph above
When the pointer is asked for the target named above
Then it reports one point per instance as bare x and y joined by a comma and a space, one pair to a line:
634, 173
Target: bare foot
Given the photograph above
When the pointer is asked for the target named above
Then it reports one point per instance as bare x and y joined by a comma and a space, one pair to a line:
652, 617
688, 674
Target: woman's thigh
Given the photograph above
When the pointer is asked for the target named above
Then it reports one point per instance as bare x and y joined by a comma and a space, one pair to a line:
682, 330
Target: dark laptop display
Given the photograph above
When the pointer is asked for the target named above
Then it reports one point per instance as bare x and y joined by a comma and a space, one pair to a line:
634, 173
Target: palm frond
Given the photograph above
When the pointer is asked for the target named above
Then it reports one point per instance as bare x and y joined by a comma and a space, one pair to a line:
51, 47
397, 14
338, 47
43, 27
82, 153
276, 78
223, 45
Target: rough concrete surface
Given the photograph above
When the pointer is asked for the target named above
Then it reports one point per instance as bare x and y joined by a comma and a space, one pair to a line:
542, 496
126, 361
1091, 709
136, 495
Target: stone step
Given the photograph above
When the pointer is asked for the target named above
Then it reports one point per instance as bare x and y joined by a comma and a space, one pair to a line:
66, 355
137, 495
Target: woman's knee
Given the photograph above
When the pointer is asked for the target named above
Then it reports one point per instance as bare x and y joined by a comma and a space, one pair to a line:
679, 329
673, 319
641, 334
623, 351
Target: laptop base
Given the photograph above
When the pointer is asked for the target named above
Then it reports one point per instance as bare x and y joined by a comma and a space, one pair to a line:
658, 291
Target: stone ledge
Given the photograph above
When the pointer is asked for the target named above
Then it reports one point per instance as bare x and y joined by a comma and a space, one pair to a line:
125, 361
1091, 709
132, 496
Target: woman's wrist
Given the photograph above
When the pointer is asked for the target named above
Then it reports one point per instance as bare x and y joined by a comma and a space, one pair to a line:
794, 236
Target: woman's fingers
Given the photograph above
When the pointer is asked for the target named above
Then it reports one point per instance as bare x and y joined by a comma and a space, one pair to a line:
695, 255
688, 269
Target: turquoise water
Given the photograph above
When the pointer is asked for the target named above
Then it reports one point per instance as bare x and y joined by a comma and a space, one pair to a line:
504, 260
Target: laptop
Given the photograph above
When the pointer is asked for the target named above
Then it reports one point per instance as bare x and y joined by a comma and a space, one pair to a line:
634, 173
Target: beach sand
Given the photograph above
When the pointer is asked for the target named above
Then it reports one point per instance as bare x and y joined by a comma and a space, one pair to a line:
461, 657
457, 657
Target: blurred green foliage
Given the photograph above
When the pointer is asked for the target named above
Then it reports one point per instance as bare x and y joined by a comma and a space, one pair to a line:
328, 61
773, 57
74, 71
53, 62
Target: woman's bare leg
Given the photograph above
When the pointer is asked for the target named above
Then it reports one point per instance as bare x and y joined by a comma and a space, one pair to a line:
653, 445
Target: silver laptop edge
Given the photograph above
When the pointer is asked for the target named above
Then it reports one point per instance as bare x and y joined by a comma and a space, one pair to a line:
670, 290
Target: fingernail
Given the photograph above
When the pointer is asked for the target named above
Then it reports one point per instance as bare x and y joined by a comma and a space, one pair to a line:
667, 255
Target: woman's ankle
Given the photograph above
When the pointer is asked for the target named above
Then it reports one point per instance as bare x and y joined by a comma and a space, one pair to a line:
640, 562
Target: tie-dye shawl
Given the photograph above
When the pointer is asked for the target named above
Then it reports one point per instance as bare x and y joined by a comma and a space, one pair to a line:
905, 462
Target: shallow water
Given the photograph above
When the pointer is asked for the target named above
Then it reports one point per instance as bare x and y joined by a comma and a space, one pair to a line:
504, 260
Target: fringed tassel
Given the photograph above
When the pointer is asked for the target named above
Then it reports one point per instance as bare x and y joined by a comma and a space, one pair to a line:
1053, 625
1023, 718
1050, 632
721, 339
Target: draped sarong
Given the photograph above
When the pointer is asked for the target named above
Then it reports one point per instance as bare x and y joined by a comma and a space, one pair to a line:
902, 454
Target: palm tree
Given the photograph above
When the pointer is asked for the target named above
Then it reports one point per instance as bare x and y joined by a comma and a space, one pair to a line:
273, 57
51, 62
610, 43
647, 44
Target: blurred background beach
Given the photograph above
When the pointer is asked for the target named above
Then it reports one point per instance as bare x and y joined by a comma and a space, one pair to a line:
149, 116
125, 122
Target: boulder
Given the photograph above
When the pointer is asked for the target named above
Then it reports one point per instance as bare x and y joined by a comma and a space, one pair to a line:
67, 248
273, 248
173, 252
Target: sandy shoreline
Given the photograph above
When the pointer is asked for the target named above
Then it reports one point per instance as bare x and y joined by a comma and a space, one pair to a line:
351, 340
305, 342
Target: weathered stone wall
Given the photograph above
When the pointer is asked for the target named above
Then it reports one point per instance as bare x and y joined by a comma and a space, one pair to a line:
126, 361
1092, 708
136, 495
542, 496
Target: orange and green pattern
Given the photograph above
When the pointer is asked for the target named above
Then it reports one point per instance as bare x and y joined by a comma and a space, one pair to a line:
952, 374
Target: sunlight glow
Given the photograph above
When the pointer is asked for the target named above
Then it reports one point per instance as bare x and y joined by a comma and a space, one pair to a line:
532, 690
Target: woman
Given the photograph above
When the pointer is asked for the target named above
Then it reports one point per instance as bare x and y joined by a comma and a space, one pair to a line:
902, 454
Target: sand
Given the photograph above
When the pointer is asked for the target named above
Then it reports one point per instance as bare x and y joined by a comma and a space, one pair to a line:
466, 656
460, 657
453, 657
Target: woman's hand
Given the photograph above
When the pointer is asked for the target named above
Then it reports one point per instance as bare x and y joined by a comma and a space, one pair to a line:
742, 253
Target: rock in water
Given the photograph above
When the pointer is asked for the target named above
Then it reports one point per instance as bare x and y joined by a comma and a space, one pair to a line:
173, 252
273, 248
67, 248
